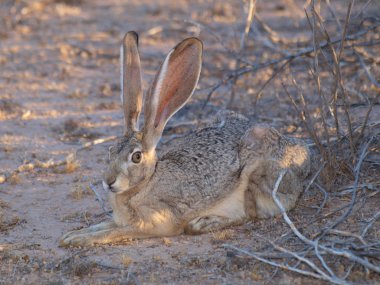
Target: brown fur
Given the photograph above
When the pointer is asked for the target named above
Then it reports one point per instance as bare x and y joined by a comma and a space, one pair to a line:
214, 177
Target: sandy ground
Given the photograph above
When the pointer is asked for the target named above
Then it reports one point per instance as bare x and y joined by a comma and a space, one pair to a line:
59, 89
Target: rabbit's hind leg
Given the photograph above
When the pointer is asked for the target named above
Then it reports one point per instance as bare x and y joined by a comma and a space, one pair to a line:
206, 224
227, 212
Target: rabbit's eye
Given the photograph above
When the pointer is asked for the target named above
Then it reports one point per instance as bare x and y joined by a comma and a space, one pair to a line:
136, 157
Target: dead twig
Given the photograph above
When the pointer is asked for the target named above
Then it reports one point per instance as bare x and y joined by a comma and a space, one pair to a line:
303, 52
339, 78
348, 234
370, 224
274, 74
306, 120
363, 8
315, 176
325, 197
366, 69
351, 205
95, 142
243, 40
222, 43
334, 251
279, 265
101, 201
319, 274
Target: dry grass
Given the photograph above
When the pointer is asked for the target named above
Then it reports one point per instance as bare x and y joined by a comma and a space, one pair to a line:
78, 216
126, 260
9, 109
7, 222
14, 178
223, 235
166, 241
79, 191
70, 165
77, 94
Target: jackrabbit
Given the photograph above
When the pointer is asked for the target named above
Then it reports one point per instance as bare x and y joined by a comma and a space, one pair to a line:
210, 179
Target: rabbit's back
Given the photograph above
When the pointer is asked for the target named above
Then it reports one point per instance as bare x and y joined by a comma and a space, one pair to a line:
202, 167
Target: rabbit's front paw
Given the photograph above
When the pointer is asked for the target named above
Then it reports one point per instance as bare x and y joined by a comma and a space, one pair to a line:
74, 239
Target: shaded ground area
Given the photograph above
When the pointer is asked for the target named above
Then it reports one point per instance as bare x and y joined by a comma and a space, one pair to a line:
59, 112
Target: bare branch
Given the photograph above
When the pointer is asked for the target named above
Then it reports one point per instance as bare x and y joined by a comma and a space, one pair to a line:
365, 67
243, 40
279, 265
303, 52
101, 201
370, 224
339, 252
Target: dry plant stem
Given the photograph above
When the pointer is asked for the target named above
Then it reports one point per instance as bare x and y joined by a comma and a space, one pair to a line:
349, 270
346, 107
320, 274
348, 234
306, 114
315, 58
74, 255
370, 224
345, 29
315, 176
334, 251
95, 142
365, 67
248, 23
332, 11
351, 205
334, 108
219, 40
338, 83
101, 201
305, 51
332, 278
274, 36
51, 163
311, 264
275, 73
131, 278
244, 36
281, 255
323, 262
308, 126
278, 265
325, 197
363, 8
322, 100
365, 121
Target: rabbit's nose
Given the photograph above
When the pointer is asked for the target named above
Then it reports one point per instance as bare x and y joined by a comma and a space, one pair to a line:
108, 182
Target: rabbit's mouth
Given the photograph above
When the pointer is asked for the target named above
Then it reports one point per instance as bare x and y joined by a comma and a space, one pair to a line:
114, 186
112, 189
122, 184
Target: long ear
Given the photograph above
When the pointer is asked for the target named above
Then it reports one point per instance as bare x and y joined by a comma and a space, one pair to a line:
173, 86
130, 77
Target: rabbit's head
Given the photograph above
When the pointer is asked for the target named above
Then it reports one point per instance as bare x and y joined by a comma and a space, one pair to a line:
133, 159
